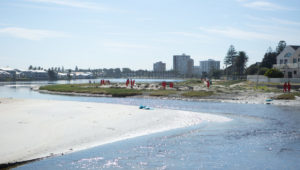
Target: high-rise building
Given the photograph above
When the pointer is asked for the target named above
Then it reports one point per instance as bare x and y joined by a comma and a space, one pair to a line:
183, 64
208, 65
197, 71
159, 67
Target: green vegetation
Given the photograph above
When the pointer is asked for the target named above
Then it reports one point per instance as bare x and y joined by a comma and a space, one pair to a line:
189, 82
197, 93
273, 73
262, 70
91, 89
266, 89
286, 96
162, 93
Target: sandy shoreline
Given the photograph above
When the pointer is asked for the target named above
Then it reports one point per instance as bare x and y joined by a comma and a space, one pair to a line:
242, 98
34, 129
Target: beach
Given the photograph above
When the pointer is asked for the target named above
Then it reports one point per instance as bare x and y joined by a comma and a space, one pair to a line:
33, 129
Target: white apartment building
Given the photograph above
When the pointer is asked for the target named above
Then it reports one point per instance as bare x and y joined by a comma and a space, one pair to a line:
183, 64
208, 65
159, 67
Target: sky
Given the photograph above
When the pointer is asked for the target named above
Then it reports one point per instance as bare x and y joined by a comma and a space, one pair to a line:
137, 33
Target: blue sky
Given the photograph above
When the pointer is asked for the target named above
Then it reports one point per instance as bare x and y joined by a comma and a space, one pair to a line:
137, 33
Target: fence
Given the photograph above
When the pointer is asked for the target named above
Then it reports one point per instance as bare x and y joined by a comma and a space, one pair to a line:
261, 78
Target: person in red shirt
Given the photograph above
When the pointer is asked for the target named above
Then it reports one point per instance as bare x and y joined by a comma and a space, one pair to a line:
164, 84
127, 82
207, 82
171, 84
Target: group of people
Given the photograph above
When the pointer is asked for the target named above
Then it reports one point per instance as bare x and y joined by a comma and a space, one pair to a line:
287, 87
132, 82
164, 84
104, 82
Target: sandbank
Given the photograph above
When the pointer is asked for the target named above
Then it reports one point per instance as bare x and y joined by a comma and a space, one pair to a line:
32, 129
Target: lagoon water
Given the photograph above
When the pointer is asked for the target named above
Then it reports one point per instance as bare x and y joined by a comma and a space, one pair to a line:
259, 137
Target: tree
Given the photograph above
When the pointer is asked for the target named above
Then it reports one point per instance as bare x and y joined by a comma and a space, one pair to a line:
204, 75
269, 58
52, 74
229, 58
262, 70
281, 45
240, 62
252, 69
69, 74
30, 67
76, 68
216, 74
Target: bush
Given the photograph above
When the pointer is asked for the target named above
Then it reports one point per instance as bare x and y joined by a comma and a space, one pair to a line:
286, 96
262, 70
273, 73
252, 70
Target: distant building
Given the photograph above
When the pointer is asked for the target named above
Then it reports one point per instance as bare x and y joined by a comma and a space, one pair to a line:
183, 64
208, 65
5, 75
288, 61
159, 67
34, 74
11, 71
83, 75
197, 71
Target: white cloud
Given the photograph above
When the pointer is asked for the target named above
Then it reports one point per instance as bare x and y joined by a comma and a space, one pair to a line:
72, 3
124, 45
189, 34
238, 33
285, 22
274, 20
30, 34
264, 5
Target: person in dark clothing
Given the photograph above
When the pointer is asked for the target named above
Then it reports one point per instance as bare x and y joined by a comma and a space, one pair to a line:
284, 87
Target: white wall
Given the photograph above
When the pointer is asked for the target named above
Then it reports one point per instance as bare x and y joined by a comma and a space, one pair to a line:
261, 78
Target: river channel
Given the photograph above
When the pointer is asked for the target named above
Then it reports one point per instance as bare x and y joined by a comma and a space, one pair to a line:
258, 137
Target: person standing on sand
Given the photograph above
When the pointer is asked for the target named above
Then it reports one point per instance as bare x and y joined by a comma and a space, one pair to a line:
207, 82
289, 87
284, 87
127, 82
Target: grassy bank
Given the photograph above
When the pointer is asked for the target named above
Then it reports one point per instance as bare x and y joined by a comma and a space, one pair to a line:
198, 94
288, 96
162, 93
91, 89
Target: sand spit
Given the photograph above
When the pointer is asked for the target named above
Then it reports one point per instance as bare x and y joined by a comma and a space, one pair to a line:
32, 129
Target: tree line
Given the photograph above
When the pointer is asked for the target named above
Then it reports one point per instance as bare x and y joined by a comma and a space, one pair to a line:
265, 67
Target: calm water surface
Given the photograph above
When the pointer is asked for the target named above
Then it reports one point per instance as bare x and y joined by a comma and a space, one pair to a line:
259, 137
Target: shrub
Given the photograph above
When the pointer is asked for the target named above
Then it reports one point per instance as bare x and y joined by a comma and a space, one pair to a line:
286, 96
262, 70
273, 73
